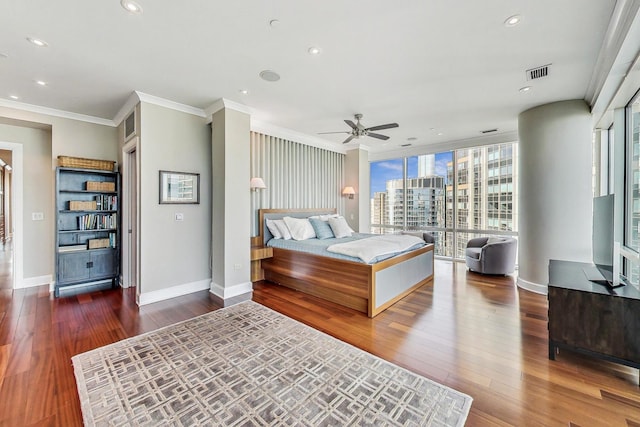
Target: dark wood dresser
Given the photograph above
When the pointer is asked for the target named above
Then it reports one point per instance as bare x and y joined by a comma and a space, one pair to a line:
590, 318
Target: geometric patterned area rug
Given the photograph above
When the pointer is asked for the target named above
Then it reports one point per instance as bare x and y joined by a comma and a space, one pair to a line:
247, 365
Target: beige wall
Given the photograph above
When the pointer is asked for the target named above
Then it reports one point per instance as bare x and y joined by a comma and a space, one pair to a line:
38, 184
173, 253
555, 193
230, 243
357, 176
43, 138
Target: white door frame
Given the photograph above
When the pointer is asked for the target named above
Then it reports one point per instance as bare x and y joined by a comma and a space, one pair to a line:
17, 210
130, 146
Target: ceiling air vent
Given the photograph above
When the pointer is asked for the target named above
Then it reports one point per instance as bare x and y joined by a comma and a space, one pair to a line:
538, 72
489, 130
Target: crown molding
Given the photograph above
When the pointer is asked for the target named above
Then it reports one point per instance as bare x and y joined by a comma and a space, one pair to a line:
295, 136
172, 105
618, 50
226, 103
417, 150
358, 147
55, 113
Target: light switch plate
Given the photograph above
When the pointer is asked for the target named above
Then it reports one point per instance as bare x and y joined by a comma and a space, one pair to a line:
37, 216
179, 216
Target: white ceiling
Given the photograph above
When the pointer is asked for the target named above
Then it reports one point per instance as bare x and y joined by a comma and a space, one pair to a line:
450, 66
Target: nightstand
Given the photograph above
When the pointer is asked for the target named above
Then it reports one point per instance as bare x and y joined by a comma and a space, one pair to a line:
259, 253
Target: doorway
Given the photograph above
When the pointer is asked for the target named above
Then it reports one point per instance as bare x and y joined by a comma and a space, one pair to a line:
11, 274
130, 221
6, 250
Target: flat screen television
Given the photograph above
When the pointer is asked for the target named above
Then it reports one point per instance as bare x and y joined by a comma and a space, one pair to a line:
603, 214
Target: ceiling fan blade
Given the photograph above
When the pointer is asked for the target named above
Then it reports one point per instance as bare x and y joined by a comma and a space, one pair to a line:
381, 127
348, 139
327, 133
350, 123
377, 135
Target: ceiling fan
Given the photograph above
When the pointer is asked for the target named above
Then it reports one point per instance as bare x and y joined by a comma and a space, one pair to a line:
357, 130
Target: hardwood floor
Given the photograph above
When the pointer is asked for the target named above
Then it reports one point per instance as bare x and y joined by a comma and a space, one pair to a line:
480, 335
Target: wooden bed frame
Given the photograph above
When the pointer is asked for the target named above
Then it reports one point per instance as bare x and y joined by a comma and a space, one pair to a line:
369, 288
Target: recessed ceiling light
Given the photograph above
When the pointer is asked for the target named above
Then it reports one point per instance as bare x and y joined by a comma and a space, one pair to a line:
41, 82
131, 6
412, 138
440, 133
270, 76
37, 42
512, 21
314, 50
3, 55
525, 89
14, 97
274, 23
243, 91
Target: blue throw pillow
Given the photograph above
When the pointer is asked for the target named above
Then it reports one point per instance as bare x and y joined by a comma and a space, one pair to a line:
322, 228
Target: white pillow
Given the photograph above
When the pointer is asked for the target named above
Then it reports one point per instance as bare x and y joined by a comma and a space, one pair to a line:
300, 228
326, 217
340, 227
271, 225
283, 229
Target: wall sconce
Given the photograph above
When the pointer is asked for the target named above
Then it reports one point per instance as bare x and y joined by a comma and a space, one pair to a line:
257, 184
349, 191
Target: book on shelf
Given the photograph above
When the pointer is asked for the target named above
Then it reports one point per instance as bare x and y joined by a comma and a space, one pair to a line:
97, 222
106, 203
72, 248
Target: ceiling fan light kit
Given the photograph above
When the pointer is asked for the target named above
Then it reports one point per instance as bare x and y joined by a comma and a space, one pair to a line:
358, 130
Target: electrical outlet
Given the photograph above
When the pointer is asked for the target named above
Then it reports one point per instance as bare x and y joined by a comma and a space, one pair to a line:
37, 216
179, 216
237, 266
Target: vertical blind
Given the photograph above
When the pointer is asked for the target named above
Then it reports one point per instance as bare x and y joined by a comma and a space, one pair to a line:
296, 175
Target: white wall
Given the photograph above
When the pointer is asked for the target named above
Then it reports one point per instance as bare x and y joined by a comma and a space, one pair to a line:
555, 192
174, 255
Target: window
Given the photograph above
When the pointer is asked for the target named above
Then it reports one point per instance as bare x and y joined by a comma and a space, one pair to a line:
387, 195
454, 195
632, 202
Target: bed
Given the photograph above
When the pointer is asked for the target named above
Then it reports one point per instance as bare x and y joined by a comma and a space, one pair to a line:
368, 288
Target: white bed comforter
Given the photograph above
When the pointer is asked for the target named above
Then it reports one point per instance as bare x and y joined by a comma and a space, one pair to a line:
372, 247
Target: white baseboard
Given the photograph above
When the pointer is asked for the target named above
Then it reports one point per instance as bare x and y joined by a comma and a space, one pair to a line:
30, 282
230, 291
532, 287
172, 292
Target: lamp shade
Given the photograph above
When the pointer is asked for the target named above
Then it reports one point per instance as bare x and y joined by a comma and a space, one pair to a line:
349, 191
257, 184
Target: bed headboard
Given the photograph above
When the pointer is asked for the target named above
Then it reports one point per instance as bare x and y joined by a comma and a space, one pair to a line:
264, 214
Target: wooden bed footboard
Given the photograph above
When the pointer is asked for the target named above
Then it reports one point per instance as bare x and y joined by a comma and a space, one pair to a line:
339, 281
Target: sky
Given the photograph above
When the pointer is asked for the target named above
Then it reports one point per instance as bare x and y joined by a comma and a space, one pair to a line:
386, 170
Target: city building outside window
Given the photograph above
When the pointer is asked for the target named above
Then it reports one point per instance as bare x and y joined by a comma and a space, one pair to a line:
455, 195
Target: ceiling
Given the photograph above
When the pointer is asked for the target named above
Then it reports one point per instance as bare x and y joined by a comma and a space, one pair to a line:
443, 70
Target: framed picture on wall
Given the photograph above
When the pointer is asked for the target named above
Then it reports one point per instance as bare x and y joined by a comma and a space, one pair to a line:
179, 187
